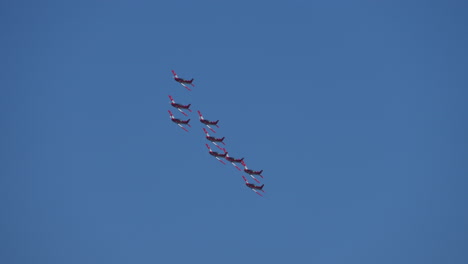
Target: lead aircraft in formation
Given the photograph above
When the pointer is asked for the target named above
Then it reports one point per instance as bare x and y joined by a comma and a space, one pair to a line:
219, 156
183, 82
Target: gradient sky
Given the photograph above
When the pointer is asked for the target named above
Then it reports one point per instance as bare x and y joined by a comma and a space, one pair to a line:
355, 110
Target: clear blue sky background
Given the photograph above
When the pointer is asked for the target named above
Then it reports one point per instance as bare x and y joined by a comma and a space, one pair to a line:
355, 110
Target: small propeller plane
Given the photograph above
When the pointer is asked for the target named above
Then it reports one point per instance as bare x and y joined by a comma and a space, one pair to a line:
234, 161
207, 122
179, 122
231, 159
254, 187
183, 82
216, 154
214, 140
251, 172
180, 106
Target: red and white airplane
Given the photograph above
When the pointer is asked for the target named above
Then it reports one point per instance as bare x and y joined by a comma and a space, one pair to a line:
216, 154
207, 122
179, 122
214, 140
234, 161
180, 106
254, 187
182, 81
231, 159
251, 172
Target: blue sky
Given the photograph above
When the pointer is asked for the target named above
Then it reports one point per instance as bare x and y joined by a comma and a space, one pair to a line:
355, 110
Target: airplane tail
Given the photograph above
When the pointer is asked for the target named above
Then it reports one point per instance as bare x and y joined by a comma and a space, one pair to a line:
191, 80
222, 138
261, 187
261, 171
189, 105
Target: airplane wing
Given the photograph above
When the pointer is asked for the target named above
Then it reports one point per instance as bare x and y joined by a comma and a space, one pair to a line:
246, 181
255, 179
170, 113
200, 115
214, 143
182, 127
186, 87
233, 164
180, 110
208, 147
256, 192
220, 160
210, 128
172, 99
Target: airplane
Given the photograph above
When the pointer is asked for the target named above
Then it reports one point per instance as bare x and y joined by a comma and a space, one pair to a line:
182, 81
231, 159
251, 172
214, 140
179, 122
216, 154
254, 187
180, 106
207, 122
234, 160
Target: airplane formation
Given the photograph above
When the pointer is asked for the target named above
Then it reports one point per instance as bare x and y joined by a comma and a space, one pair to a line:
220, 156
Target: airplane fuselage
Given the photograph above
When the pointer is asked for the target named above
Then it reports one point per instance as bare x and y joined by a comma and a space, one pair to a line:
215, 139
233, 160
178, 121
216, 154
180, 106
253, 186
251, 172
208, 122
180, 80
